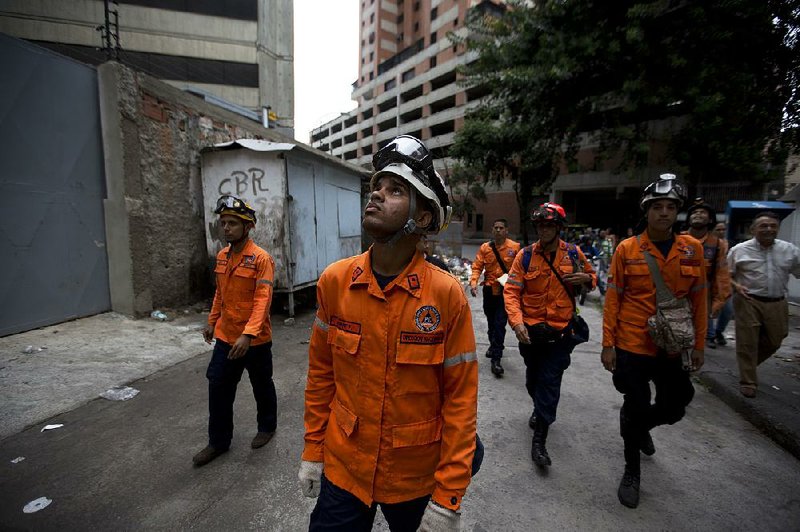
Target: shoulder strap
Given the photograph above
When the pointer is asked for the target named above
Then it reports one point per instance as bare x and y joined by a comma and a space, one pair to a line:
499, 260
570, 291
526, 257
662, 292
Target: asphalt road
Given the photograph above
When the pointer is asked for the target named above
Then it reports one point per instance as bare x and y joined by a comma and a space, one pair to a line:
127, 465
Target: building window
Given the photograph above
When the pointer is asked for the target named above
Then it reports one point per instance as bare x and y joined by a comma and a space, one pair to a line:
400, 36
371, 56
432, 63
372, 17
469, 218
416, 27
479, 222
389, 85
416, 6
400, 18
434, 13
371, 75
408, 74
433, 37
362, 60
371, 37
455, 23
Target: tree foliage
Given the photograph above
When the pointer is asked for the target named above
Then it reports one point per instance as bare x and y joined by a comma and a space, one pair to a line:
715, 82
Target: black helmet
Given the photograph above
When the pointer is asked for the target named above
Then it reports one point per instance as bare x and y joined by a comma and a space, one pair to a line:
699, 203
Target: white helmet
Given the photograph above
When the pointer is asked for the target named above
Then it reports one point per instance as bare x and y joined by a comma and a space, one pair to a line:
442, 214
407, 157
666, 186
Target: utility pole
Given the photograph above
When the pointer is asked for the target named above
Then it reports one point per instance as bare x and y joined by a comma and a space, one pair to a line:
109, 30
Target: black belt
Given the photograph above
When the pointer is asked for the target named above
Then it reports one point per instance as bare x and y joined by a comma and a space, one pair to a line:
766, 299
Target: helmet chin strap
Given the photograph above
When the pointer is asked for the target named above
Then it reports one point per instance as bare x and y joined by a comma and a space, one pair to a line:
410, 226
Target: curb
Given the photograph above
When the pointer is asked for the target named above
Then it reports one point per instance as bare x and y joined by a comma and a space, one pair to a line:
748, 409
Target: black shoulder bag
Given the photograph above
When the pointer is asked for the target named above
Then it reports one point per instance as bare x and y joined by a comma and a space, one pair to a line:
577, 332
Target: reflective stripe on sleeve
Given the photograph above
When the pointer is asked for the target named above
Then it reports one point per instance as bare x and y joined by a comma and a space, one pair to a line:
265, 281
699, 287
615, 287
515, 283
321, 324
460, 358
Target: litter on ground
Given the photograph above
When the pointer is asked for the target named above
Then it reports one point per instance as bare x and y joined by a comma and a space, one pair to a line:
119, 393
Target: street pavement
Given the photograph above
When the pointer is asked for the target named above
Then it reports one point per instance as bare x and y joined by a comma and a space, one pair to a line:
127, 465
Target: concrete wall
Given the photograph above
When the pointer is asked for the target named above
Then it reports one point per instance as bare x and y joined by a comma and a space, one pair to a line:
152, 136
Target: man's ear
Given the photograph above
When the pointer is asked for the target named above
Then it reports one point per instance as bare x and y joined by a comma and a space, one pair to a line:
424, 218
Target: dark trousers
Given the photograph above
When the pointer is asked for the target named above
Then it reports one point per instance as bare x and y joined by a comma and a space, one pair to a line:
223, 378
340, 510
545, 364
495, 309
674, 391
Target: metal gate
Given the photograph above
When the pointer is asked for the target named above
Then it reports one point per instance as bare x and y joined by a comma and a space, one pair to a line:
52, 231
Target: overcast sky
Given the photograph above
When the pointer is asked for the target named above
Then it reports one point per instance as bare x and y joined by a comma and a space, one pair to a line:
325, 61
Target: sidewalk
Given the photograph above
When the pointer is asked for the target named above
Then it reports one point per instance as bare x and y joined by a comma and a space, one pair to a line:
776, 408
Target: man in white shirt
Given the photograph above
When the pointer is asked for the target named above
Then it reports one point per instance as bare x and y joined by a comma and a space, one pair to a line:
760, 269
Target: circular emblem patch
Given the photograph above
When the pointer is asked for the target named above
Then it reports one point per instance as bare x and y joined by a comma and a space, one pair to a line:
427, 318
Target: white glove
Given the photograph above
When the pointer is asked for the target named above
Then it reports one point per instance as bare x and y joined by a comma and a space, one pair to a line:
310, 476
439, 519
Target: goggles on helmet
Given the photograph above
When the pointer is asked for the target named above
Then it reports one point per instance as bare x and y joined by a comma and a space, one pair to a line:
666, 186
413, 153
549, 212
239, 208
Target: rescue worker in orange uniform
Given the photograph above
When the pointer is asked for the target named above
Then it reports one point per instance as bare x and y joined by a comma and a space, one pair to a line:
628, 349
486, 262
391, 393
239, 321
702, 219
540, 309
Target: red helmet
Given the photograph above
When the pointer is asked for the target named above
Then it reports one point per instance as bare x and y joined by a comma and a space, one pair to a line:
549, 212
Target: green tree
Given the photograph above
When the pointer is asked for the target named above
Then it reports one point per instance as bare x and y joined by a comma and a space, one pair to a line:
715, 81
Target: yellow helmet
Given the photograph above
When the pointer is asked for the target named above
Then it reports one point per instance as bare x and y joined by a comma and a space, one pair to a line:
235, 207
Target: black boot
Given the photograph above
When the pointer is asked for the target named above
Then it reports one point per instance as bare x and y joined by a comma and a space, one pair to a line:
538, 450
497, 368
532, 420
628, 492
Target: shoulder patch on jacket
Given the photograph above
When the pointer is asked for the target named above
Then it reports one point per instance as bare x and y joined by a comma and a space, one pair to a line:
427, 318
356, 273
413, 281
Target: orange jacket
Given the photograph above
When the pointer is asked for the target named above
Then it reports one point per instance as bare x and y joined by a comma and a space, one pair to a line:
392, 389
486, 260
536, 295
631, 294
719, 288
243, 296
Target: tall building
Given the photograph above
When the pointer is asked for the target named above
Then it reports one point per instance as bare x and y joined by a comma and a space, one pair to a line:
407, 79
407, 84
237, 50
